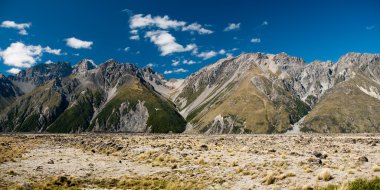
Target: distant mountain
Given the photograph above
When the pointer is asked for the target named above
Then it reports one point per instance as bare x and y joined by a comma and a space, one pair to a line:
111, 97
265, 93
250, 93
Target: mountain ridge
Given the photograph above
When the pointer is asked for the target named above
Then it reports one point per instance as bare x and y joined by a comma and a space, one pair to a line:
249, 93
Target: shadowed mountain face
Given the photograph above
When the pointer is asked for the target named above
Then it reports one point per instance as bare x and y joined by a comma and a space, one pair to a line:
250, 93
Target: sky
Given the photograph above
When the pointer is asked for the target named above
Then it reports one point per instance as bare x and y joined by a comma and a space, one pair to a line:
177, 38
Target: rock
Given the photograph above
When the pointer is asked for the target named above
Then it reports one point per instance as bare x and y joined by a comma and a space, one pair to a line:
314, 161
39, 168
363, 159
51, 161
317, 154
204, 147
272, 150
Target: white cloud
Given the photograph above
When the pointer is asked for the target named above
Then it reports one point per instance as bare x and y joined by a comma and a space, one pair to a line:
188, 62
78, 44
140, 21
49, 62
222, 51
20, 27
24, 56
180, 70
232, 26
195, 27
126, 49
175, 63
13, 70
134, 31
370, 27
135, 37
229, 55
150, 65
265, 23
255, 40
167, 43
52, 51
207, 54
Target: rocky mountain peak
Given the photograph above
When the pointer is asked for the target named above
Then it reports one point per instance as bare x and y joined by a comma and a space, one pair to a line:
39, 74
84, 66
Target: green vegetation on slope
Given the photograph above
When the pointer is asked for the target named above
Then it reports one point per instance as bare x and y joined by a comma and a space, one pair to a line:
34, 111
162, 115
77, 118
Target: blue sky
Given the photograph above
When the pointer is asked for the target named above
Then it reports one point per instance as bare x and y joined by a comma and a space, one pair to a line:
180, 37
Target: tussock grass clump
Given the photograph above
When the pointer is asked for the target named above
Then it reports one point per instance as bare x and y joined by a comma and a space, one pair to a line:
359, 184
325, 175
269, 179
62, 182
376, 168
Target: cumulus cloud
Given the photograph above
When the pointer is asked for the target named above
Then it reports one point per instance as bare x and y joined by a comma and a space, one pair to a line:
195, 27
126, 49
255, 40
135, 37
265, 23
24, 56
232, 26
14, 70
167, 43
21, 27
52, 51
140, 21
210, 54
207, 54
78, 44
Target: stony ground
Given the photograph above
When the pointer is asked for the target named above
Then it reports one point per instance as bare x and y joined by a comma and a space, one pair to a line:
188, 161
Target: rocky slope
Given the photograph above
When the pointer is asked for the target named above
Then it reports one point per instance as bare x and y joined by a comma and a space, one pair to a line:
265, 93
110, 97
250, 93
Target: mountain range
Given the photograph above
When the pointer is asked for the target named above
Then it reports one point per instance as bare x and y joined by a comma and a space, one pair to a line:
249, 93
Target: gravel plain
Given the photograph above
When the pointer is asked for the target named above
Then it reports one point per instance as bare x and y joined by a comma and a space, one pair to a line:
290, 161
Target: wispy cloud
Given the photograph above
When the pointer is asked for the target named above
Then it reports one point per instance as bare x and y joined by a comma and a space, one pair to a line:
232, 26
255, 40
370, 27
179, 70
